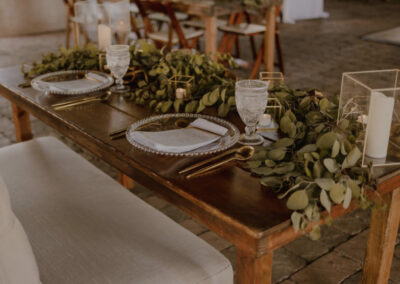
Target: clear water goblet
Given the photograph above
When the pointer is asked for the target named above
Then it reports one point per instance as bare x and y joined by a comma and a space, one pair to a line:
251, 101
118, 59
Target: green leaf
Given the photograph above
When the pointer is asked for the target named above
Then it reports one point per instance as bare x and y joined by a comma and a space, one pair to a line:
212, 97
324, 104
223, 95
191, 107
166, 106
325, 183
201, 107
352, 158
308, 148
271, 181
337, 193
231, 101
253, 164
292, 130
269, 163
284, 168
329, 220
308, 157
223, 109
317, 170
177, 105
326, 140
277, 154
347, 198
355, 188
284, 142
331, 165
335, 149
309, 211
263, 171
285, 124
315, 233
325, 201
298, 200
296, 218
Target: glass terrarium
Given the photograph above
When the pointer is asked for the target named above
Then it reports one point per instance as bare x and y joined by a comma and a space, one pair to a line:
103, 24
371, 98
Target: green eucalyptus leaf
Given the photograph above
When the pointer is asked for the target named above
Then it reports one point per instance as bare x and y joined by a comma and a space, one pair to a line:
325, 183
331, 165
355, 188
335, 149
326, 140
315, 233
253, 164
285, 124
298, 200
283, 142
308, 148
263, 171
277, 154
191, 106
166, 106
347, 198
296, 219
212, 97
309, 211
337, 193
352, 158
269, 163
284, 168
223, 109
271, 181
317, 170
325, 201
177, 105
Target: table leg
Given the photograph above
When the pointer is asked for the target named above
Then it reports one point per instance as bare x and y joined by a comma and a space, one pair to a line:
125, 181
22, 124
269, 39
211, 34
381, 240
253, 270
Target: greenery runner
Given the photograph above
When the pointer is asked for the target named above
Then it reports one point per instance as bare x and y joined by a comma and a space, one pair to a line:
315, 164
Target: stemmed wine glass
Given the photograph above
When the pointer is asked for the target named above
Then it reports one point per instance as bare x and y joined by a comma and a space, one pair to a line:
251, 100
118, 59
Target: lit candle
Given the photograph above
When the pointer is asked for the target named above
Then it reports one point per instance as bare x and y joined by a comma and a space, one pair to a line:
180, 93
362, 119
121, 31
265, 119
379, 124
104, 36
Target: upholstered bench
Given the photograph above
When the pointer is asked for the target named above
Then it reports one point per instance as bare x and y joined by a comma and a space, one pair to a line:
86, 228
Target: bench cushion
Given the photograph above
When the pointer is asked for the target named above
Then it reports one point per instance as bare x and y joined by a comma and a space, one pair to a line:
17, 262
86, 228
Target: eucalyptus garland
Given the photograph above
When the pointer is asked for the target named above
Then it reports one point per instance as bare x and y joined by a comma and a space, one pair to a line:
316, 163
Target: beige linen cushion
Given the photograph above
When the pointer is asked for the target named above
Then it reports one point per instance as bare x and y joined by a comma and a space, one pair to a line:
85, 228
17, 262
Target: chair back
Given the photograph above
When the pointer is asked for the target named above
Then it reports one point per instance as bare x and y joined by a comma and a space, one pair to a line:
145, 6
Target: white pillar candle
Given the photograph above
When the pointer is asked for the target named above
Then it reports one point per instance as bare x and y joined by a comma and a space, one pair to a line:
104, 36
180, 93
265, 119
379, 123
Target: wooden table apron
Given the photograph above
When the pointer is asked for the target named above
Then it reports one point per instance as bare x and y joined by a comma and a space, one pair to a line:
230, 202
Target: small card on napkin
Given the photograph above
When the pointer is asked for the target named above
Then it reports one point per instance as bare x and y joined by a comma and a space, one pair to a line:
199, 133
90, 81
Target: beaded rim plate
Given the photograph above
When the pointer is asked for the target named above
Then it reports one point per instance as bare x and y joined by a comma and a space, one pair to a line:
60, 75
221, 144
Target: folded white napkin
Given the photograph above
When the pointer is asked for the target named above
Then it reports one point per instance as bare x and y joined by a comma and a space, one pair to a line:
199, 133
92, 80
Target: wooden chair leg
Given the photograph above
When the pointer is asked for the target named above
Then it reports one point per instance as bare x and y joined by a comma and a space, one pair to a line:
22, 124
125, 181
279, 51
68, 32
253, 47
253, 270
237, 43
257, 63
382, 240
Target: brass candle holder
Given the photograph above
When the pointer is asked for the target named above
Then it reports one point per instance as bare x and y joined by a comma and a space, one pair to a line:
275, 79
102, 61
181, 86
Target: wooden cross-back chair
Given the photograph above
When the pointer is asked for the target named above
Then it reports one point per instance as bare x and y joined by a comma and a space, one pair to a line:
70, 15
240, 24
175, 35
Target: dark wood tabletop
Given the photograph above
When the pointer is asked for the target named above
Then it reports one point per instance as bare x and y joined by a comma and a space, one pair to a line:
230, 202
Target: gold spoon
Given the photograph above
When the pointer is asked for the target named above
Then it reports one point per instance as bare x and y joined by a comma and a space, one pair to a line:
242, 154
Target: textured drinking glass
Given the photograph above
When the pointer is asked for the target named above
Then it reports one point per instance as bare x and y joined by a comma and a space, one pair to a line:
251, 100
118, 59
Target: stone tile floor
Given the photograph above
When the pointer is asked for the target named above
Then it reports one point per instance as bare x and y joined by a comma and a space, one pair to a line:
316, 53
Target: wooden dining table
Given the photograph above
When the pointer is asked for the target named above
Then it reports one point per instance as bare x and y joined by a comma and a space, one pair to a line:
230, 202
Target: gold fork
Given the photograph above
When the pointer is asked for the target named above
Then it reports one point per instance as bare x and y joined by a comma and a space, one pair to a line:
65, 105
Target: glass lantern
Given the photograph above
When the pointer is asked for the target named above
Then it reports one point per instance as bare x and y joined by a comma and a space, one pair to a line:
181, 86
371, 98
275, 79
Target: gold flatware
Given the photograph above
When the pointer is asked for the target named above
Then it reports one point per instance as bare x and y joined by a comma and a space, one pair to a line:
75, 101
118, 134
267, 129
204, 162
244, 154
81, 102
24, 85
